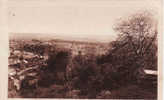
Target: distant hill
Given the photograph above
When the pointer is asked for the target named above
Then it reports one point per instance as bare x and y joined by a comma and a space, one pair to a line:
50, 36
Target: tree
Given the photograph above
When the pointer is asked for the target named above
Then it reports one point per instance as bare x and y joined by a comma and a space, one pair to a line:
140, 30
137, 41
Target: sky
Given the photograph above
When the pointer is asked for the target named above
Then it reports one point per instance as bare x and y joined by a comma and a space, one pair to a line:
78, 18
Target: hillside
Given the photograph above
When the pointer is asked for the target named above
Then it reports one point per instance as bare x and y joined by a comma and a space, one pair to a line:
49, 36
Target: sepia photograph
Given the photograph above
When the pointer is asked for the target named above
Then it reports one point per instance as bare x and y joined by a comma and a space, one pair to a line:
83, 49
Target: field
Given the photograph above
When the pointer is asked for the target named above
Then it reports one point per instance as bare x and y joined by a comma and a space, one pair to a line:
68, 69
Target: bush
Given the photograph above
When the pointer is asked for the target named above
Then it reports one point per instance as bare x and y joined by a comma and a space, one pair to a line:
58, 61
55, 71
83, 73
91, 78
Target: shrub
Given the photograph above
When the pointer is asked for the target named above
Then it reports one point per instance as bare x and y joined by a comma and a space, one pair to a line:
90, 77
57, 64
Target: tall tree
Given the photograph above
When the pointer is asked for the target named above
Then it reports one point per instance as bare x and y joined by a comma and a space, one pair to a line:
137, 40
139, 30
